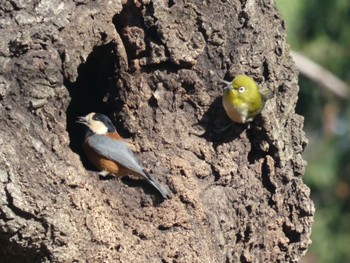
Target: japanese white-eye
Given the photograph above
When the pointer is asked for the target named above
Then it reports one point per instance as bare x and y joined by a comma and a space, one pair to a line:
242, 99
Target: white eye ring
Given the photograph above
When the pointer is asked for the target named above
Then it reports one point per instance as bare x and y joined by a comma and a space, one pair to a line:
241, 89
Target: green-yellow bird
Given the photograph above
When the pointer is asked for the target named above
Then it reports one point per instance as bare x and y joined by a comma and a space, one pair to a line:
242, 99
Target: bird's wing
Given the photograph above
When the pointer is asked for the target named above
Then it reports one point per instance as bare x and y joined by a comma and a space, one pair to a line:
265, 95
119, 151
115, 150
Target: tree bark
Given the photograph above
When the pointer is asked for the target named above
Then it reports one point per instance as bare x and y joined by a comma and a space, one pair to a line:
154, 67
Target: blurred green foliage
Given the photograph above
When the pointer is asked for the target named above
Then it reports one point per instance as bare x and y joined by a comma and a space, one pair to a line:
320, 30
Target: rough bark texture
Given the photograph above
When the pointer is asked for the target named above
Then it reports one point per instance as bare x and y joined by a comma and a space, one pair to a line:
155, 68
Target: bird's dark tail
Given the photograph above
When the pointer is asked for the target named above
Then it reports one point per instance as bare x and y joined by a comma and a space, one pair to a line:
164, 191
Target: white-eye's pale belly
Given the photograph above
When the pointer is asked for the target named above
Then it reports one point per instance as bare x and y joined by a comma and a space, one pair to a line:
237, 114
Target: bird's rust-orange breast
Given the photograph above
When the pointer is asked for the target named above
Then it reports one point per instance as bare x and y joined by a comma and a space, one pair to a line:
114, 136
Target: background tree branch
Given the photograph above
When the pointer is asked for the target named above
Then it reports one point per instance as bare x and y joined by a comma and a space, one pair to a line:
321, 75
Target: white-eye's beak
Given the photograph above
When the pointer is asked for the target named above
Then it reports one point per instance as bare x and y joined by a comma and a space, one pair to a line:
227, 83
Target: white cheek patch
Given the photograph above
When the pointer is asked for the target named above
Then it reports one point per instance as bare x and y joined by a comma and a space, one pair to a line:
98, 127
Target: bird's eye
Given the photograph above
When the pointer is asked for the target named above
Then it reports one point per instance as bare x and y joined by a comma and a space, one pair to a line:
241, 89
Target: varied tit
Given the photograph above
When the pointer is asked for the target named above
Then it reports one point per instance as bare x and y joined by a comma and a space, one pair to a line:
106, 149
242, 99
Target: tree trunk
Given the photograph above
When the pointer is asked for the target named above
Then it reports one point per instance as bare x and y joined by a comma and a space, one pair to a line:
154, 67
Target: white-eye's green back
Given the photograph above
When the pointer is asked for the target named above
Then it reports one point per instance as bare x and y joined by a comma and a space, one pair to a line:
242, 100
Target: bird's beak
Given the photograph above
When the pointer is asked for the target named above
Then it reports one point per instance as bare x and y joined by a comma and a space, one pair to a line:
82, 120
227, 83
